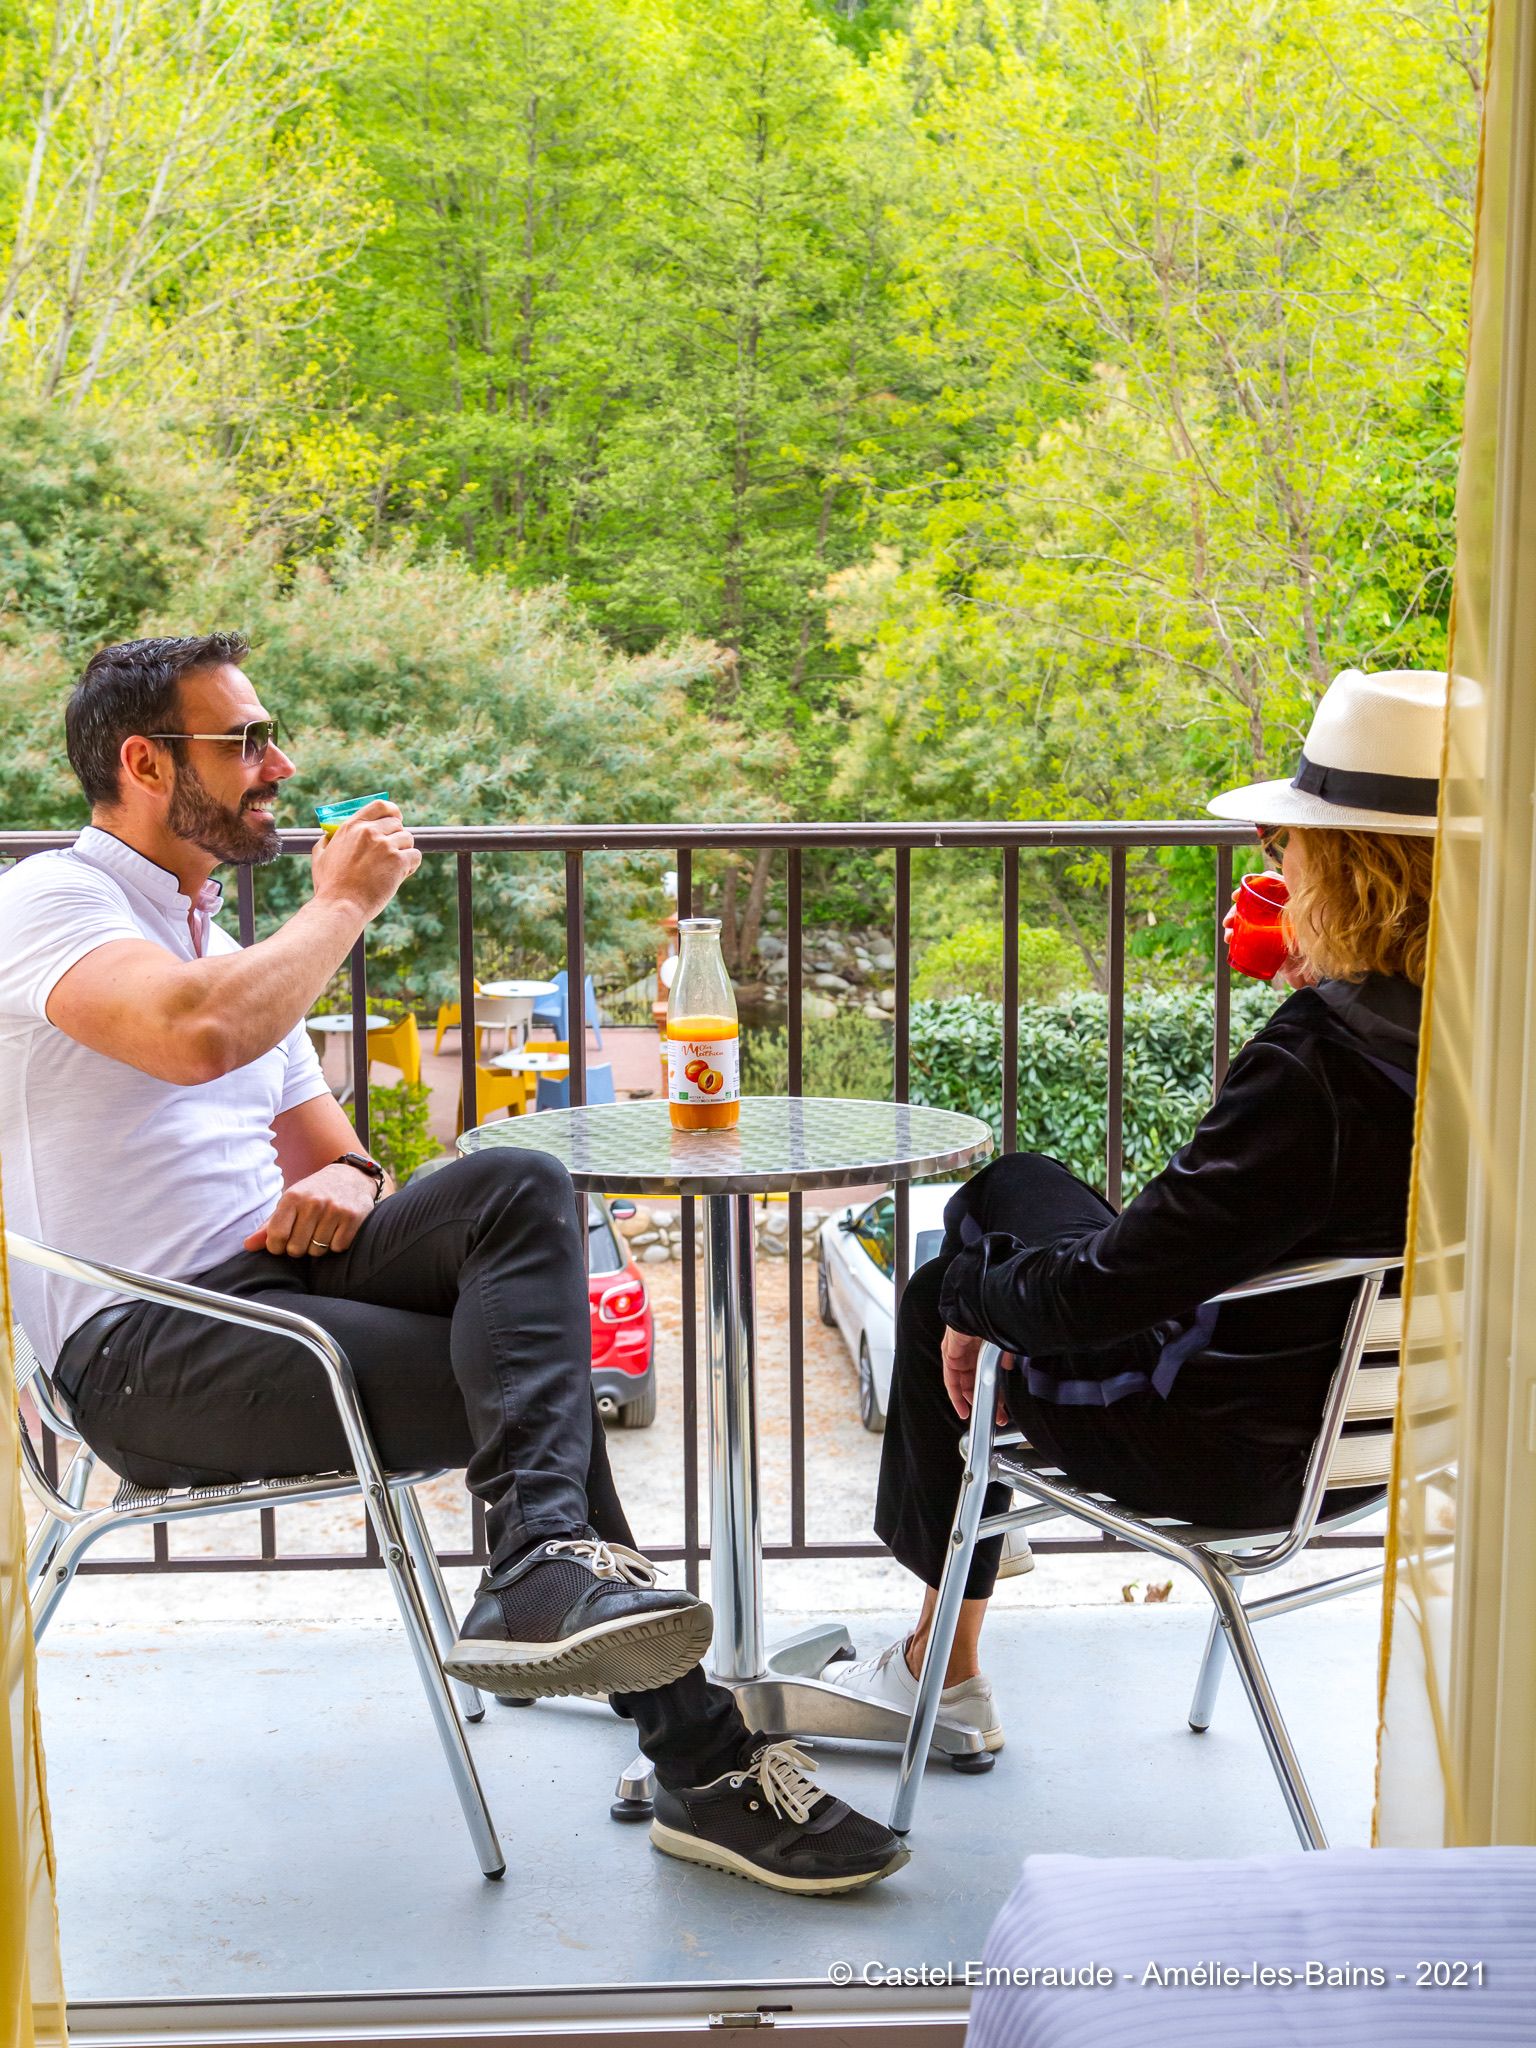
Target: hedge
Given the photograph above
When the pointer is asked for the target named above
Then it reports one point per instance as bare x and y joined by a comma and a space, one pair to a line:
957, 1063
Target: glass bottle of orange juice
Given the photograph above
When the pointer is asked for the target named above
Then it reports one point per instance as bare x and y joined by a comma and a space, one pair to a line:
703, 1045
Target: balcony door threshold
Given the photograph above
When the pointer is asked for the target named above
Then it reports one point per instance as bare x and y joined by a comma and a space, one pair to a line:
813, 2015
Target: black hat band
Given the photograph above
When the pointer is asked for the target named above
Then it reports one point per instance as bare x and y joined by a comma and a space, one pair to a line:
1410, 796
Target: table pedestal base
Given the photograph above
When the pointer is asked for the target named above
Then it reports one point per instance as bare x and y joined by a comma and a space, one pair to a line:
790, 1698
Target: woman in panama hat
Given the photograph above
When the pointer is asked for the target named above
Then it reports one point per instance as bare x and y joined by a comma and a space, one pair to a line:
1121, 1373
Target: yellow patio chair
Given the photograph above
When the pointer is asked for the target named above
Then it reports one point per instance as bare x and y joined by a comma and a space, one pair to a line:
397, 1046
449, 1018
496, 1089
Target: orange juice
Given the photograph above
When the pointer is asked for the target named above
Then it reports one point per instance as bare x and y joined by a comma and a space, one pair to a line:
703, 1073
703, 1041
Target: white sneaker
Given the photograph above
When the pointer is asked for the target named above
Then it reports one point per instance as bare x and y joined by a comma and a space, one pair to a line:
1018, 1558
884, 1678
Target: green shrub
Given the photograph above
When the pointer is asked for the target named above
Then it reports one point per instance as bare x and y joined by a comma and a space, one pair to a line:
846, 1055
398, 1133
970, 963
957, 1063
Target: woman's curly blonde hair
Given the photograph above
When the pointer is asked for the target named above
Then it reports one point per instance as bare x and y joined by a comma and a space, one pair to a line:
1363, 903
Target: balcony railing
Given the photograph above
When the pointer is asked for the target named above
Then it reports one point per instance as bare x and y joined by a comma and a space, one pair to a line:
575, 843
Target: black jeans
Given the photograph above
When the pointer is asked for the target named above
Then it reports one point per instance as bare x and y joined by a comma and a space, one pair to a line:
462, 1306
1160, 1457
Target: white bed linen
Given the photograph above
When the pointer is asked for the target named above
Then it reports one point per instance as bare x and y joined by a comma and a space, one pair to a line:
1387, 1910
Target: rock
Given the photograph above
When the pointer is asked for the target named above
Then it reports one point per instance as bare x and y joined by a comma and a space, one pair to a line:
656, 1255
771, 1247
834, 984
636, 1225
820, 1007
873, 1010
770, 947
886, 999
639, 1242
777, 969
884, 961
776, 1223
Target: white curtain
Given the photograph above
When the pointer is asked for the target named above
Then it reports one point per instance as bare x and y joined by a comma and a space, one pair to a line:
1457, 1747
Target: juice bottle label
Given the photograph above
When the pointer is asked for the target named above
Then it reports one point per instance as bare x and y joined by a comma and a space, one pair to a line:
701, 1070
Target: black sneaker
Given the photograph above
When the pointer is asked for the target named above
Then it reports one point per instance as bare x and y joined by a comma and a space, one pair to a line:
767, 1821
577, 1615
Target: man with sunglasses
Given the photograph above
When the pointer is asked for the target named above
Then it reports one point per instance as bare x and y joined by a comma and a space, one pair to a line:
162, 1108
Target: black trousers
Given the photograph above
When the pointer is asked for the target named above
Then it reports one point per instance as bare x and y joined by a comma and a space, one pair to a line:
1160, 1457
462, 1306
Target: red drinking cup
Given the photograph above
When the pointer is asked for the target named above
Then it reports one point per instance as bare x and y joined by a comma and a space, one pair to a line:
1260, 942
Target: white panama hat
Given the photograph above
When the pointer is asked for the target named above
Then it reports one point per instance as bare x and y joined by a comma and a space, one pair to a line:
1370, 761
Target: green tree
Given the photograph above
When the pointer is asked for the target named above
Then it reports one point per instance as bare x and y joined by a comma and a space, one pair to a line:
1215, 262
173, 199
485, 323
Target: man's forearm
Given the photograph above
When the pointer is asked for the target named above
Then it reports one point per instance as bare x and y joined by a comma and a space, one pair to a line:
242, 1004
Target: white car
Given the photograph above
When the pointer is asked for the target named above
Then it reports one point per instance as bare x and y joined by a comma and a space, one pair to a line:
856, 1282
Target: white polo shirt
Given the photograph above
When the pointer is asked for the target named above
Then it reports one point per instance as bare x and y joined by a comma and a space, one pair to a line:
96, 1157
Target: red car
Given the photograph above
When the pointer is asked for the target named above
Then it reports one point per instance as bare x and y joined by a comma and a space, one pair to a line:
623, 1335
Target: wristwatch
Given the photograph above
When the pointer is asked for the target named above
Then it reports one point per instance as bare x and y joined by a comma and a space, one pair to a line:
364, 1164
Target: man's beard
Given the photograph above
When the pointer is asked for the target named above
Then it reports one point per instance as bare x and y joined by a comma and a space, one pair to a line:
229, 834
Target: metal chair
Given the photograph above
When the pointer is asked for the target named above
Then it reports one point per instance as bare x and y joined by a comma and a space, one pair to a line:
554, 1090
554, 1010
1353, 1450
69, 1528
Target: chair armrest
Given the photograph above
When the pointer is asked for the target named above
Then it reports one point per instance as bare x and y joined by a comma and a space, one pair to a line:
1314, 1273
223, 1308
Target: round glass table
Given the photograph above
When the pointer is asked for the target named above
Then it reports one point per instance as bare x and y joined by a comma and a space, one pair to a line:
782, 1144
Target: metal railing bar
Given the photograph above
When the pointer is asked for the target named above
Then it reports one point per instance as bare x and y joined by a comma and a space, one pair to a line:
573, 842
902, 1050
794, 914
794, 970
692, 1551
576, 975
245, 897
1221, 1049
360, 1040
1065, 833
1114, 1136
1010, 999
660, 1553
469, 1080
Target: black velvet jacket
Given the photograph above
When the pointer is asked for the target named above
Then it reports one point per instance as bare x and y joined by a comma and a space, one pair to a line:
1306, 1152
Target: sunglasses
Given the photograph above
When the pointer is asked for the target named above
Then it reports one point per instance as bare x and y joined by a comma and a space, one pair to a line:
1273, 839
253, 739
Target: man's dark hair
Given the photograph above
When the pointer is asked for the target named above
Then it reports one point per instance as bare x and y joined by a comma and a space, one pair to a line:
132, 688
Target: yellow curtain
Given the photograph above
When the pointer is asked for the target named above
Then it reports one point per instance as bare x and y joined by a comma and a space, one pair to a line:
1457, 1740
31, 1983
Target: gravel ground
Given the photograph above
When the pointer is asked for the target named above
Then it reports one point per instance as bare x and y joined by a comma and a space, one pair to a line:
842, 1458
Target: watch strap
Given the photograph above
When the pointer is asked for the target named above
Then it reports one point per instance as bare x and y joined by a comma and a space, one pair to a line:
364, 1164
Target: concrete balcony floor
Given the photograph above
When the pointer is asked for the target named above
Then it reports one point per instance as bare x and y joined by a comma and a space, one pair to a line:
249, 1800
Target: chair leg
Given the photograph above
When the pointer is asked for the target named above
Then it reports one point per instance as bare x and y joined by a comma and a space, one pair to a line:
1266, 1708
61, 1568
1208, 1684
434, 1592
450, 1729
946, 1613
49, 1531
